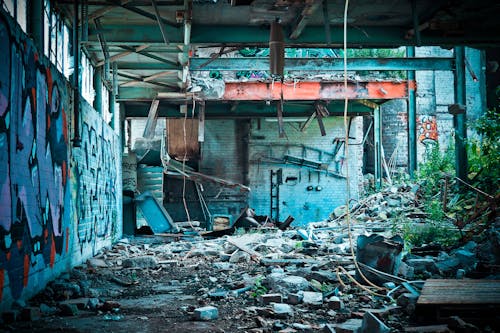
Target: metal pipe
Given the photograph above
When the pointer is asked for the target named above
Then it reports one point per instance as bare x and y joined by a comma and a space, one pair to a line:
115, 118
459, 119
377, 138
36, 25
412, 117
76, 77
416, 27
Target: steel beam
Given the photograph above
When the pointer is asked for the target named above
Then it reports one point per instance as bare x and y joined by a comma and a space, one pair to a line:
323, 64
129, 65
36, 24
241, 110
377, 139
232, 35
460, 118
302, 91
412, 117
306, 91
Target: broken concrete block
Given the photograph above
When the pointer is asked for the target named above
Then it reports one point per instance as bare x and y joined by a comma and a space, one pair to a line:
448, 266
350, 326
239, 256
312, 298
335, 303
286, 284
96, 263
31, 313
421, 265
68, 309
302, 327
371, 324
140, 262
206, 313
271, 298
406, 271
80, 303
282, 310
467, 258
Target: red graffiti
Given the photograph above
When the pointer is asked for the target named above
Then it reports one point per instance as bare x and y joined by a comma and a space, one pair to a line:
427, 129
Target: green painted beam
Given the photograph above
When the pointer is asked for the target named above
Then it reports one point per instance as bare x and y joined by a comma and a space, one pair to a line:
128, 65
322, 64
459, 120
412, 117
377, 139
244, 109
312, 36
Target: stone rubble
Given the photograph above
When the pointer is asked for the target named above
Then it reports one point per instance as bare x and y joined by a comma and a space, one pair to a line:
261, 281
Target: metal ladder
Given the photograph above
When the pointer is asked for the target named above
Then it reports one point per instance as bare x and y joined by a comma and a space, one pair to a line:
276, 180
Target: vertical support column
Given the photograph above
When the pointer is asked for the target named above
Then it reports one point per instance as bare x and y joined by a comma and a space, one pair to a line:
35, 22
115, 117
460, 118
412, 117
76, 77
377, 138
98, 89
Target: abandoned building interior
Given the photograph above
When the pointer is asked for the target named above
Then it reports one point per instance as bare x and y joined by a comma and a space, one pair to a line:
249, 166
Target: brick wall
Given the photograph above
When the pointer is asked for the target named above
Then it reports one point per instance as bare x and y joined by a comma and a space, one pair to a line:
435, 92
295, 200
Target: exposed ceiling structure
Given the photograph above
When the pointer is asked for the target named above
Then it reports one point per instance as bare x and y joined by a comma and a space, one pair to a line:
150, 43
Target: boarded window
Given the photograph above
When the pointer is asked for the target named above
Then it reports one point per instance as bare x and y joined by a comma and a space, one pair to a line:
179, 148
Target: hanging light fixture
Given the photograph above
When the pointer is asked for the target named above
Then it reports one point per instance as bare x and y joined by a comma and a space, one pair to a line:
276, 49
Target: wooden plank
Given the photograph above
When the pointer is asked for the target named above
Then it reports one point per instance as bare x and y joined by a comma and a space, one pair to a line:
457, 292
182, 137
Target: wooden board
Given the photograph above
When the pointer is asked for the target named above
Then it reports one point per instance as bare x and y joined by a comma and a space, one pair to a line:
460, 292
177, 147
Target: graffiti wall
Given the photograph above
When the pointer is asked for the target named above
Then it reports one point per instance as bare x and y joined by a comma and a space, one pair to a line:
97, 187
44, 209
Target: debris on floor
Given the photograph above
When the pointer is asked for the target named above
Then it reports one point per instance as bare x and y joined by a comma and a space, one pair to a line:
264, 279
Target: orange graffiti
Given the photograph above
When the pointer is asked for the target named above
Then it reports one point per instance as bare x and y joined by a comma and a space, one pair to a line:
427, 129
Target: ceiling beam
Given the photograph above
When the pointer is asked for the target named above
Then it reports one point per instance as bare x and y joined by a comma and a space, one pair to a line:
301, 21
322, 64
312, 36
243, 109
122, 54
311, 91
301, 91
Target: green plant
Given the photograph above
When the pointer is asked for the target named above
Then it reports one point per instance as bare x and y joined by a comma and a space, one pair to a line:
483, 152
418, 234
258, 288
435, 165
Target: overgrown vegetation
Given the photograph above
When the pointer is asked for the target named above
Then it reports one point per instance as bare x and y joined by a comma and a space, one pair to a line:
453, 210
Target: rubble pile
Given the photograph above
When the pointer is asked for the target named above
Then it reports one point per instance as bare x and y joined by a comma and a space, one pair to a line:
266, 280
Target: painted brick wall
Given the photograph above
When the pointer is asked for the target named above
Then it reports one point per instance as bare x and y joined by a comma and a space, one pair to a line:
305, 206
48, 221
96, 186
225, 155
435, 92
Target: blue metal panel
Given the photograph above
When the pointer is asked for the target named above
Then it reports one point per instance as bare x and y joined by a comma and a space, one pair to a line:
157, 217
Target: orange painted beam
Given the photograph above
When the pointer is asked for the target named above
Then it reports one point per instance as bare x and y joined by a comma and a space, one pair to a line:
308, 90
